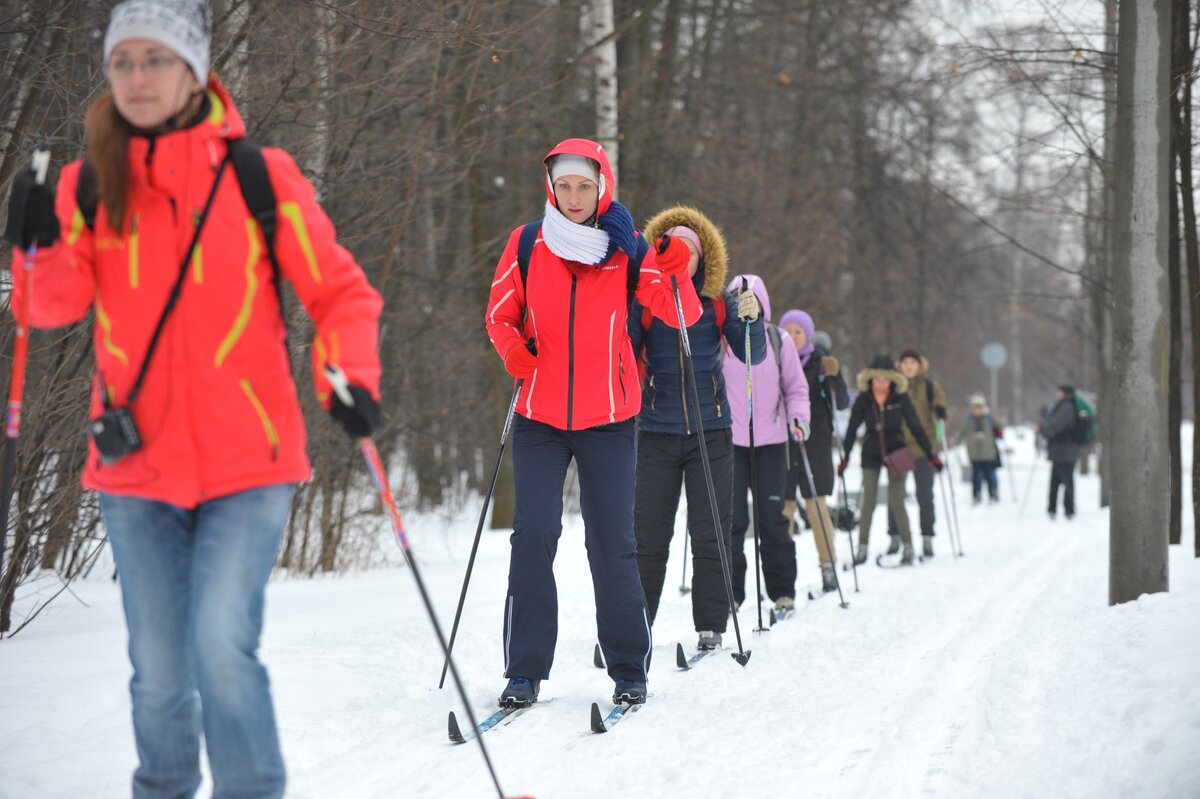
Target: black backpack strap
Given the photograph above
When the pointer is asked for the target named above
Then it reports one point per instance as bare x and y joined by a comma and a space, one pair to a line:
255, 183
87, 193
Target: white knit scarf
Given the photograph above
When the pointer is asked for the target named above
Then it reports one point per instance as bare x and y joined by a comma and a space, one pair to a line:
570, 241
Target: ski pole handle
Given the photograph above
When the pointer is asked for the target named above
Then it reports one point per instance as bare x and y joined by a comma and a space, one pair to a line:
339, 384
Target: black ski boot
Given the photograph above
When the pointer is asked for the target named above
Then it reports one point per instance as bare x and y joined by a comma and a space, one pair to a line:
520, 692
927, 546
907, 558
893, 544
860, 557
629, 692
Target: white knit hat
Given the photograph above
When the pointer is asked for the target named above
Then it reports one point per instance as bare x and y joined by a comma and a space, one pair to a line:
567, 164
185, 26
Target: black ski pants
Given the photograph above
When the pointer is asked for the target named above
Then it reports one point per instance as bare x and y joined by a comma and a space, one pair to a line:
777, 548
667, 462
1062, 473
923, 476
605, 457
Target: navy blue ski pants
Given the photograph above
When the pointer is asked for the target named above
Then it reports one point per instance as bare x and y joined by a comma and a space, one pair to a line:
606, 458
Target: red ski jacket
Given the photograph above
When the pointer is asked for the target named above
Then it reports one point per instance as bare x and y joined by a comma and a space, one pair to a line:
576, 315
218, 411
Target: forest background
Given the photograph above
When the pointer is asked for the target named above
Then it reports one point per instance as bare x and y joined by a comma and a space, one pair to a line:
925, 173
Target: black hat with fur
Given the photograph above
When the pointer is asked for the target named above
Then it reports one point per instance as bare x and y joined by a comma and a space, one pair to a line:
882, 366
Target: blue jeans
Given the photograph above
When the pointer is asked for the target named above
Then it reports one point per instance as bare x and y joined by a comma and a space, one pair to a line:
984, 472
192, 583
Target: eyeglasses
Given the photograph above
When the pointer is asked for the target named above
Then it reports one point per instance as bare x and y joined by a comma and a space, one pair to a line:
154, 66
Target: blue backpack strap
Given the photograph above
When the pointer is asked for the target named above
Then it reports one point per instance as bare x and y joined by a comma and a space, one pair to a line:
529, 235
634, 274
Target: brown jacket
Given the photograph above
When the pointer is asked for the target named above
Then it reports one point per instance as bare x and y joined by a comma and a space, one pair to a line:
919, 391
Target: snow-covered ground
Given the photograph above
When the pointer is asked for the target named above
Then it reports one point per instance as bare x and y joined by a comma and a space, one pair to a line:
1002, 674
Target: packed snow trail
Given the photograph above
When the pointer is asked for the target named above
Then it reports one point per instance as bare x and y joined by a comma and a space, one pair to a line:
1001, 674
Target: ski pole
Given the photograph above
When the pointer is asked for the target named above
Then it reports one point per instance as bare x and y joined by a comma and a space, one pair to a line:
1029, 483
1012, 478
845, 496
753, 484
742, 655
952, 510
954, 502
487, 500
16, 386
337, 379
812, 487
683, 586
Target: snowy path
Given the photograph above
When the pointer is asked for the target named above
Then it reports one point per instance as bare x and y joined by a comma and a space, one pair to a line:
1003, 674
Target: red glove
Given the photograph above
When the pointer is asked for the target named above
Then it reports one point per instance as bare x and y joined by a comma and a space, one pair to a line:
842, 466
673, 256
520, 362
936, 464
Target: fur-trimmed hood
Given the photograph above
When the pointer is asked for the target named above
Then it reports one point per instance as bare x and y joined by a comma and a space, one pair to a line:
899, 381
716, 258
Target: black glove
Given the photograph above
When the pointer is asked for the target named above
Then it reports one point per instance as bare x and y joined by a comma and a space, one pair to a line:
360, 419
31, 214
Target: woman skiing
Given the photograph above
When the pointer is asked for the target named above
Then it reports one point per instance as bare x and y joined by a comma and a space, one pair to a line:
781, 406
198, 438
559, 323
668, 446
885, 407
826, 388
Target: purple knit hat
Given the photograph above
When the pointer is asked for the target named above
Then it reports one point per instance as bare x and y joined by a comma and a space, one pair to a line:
797, 317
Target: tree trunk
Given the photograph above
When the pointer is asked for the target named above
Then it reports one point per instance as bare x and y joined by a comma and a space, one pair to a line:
1179, 60
1192, 258
1138, 532
607, 128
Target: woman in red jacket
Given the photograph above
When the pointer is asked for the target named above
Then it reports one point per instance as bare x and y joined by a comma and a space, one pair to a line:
199, 455
562, 333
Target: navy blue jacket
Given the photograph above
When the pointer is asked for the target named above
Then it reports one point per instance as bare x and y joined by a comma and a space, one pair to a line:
665, 406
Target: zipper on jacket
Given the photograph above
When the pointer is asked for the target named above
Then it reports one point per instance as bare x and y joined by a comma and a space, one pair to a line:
653, 394
621, 371
571, 353
716, 394
133, 251
197, 263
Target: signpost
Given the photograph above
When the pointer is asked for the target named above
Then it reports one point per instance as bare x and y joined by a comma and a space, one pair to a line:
994, 356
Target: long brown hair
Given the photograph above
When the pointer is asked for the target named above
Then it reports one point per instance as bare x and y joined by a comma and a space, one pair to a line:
108, 151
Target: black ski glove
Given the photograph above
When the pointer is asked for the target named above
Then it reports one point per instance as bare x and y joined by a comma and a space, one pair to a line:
31, 214
360, 419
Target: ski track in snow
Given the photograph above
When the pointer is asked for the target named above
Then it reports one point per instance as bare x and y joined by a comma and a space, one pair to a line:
1001, 674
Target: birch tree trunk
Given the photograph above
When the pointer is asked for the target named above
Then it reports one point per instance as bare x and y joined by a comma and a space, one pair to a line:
607, 129
1140, 500
323, 127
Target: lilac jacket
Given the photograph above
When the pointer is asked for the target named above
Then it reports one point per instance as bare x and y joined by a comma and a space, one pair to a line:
771, 412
